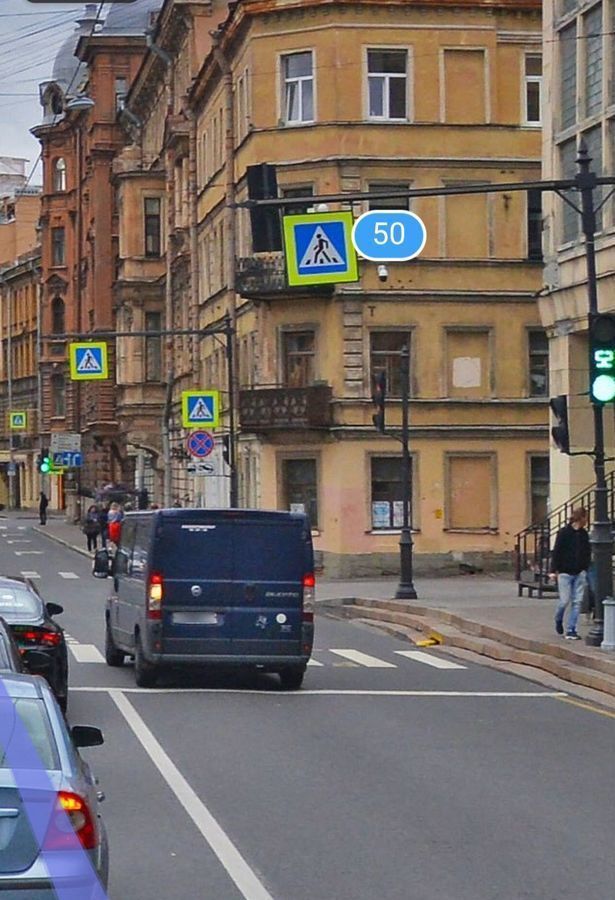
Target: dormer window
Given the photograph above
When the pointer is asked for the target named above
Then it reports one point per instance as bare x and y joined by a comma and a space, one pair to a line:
59, 174
53, 103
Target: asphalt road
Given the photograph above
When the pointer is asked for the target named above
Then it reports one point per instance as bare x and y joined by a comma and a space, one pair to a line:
386, 776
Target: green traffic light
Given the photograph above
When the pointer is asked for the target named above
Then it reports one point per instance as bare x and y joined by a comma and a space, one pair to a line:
603, 388
45, 465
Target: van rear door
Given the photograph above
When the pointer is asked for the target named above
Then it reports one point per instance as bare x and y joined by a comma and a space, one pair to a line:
269, 564
193, 555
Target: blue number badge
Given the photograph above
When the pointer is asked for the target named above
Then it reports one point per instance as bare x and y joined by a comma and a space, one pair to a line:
389, 235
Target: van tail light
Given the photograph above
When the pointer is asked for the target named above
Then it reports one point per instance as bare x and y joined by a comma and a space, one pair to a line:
72, 811
155, 593
309, 585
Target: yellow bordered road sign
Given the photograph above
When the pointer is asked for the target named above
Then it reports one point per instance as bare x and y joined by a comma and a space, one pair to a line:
18, 420
318, 248
200, 408
88, 361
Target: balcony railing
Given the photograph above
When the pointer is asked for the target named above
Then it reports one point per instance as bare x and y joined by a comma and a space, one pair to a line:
264, 409
265, 275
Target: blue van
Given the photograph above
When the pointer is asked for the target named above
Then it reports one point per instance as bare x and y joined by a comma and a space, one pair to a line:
222, 587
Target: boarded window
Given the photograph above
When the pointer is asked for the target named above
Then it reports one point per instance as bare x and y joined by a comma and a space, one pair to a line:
464, 79
593, 61
467, 234
571, 219
471, 491
539, 488
468, 364
568, 75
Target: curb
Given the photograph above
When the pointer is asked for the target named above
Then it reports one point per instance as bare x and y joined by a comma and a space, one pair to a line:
58, 540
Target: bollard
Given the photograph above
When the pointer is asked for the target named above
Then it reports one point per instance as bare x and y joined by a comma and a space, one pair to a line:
608, 640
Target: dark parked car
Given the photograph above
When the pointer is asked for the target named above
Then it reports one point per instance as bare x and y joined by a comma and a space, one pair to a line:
30, 620
63, 794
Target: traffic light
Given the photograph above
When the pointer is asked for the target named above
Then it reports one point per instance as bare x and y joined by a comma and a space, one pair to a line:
264, 220
602, 358
559, 432
226, 449
379, 398
44, 461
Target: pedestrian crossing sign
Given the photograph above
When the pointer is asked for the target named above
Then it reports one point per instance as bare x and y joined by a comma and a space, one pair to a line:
88, 362
318, 249
18, 421
200, 408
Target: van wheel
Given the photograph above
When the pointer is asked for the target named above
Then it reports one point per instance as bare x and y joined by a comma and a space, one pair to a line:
291, 679
113, 656
145, 673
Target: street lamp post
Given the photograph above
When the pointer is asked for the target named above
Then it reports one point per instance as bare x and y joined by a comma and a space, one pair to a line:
601, 536
405, 589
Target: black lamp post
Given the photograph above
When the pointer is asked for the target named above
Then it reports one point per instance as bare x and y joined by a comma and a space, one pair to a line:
405, 589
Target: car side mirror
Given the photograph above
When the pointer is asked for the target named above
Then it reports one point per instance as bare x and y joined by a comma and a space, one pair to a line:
102, 564
54, 609
86, 736
36, 661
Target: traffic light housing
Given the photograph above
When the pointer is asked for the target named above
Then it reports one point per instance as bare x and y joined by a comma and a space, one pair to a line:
559, 432
602, 358
264, 220
44, 461
379, 398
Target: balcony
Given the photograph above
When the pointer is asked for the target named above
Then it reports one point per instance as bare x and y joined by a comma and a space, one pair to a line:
267, 409
264, 276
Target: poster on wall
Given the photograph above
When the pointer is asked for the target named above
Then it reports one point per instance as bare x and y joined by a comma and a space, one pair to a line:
381, 515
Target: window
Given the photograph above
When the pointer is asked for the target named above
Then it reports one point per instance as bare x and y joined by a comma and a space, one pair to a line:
299, 485
300, 208
298, 87
389, 202
534, 224
468, 363
58, 395
57, 316
59, 175
243, 108
58, 248
539, 488
385, 356
593, 139
538, 347
121, 89
568, 75
465, 92
568, 168
386, 491
298, 358
470, 492
153, 347
151, 207
387, 74
568, 6
593, 60
533, 89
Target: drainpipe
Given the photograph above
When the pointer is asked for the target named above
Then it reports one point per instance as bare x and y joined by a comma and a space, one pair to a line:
168, 296
194, 246
230, 244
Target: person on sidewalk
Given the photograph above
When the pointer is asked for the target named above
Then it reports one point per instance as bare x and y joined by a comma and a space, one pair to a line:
91, 527
570, 561
43, 503
103, 524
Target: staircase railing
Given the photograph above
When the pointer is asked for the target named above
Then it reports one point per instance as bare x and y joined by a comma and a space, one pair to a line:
533, 544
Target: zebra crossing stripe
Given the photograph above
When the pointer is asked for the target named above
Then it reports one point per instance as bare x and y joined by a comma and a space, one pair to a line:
364, 659
429, 660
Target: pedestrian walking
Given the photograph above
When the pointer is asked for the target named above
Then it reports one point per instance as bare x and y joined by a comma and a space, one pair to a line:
116, 516
570, 561
91, 527
43, 503
103, 524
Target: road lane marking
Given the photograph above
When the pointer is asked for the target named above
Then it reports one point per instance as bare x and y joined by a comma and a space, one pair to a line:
85, 653
314, 662
67, 575
30, 574
364, 659
28, 552
325, 692
429, 660
588, 706
19, 541
21, 528
245, 879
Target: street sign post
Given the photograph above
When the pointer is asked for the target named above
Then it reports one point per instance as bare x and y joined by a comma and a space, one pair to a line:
65, 441
200, 408
18, 420
318, 249
88, 361
67, 460
200, 444
200, 467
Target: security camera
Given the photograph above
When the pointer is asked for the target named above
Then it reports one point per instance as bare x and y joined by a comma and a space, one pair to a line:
383, 273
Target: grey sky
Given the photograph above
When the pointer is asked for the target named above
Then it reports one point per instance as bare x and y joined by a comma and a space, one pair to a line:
30, 36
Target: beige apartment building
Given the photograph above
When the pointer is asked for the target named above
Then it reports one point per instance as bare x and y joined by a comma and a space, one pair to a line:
367, 97
580, 103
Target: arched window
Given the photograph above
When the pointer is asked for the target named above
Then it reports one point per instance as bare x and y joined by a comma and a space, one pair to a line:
59, 174
58, 395
57, 316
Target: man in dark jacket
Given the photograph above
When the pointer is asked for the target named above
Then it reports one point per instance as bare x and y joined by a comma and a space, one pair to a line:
43, 503
570, 561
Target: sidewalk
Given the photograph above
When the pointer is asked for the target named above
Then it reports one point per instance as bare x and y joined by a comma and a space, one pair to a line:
477, 613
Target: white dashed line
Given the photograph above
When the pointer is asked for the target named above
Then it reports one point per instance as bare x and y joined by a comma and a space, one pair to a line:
314, 662
67, 575
85, 653
30, 574
364, 659
429, 660
28, 552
